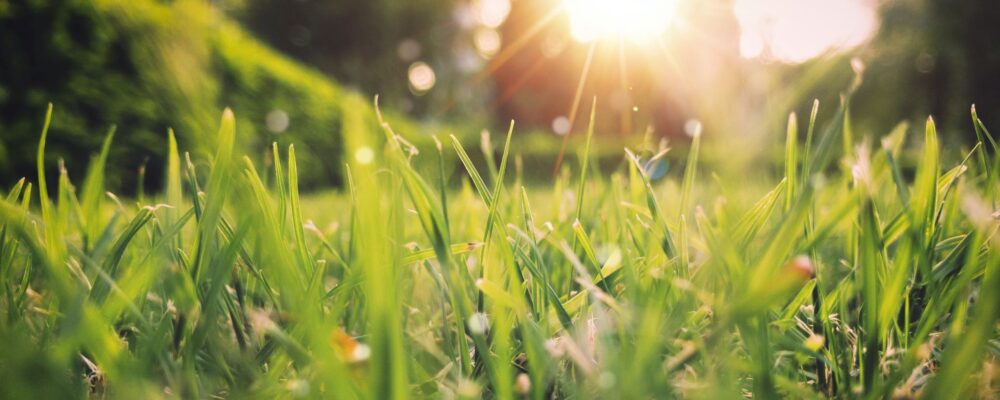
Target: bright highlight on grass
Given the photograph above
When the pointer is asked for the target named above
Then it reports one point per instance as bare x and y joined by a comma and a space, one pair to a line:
636, 20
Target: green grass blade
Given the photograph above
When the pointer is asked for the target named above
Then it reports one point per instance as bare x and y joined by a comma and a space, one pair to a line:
93, 190
791, 159
964, 350
217, 190
297, 225
174, 190
585, 160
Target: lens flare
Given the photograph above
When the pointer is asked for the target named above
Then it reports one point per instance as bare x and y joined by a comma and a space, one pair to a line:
637, 20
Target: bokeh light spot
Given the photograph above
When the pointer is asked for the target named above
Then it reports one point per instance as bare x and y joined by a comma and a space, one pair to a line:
421, 77
277, 121
487, 42
561, 125
692, 128
492, 13
408, 50
364, 155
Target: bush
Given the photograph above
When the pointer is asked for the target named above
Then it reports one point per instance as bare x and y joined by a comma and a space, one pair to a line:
148, 66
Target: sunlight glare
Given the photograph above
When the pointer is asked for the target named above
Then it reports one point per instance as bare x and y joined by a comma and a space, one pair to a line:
794, 31
637, 20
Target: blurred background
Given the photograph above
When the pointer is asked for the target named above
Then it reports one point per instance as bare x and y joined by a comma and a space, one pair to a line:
295, 70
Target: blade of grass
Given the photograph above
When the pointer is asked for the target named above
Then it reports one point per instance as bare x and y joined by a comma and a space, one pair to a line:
297, 225
93, 190
791, 159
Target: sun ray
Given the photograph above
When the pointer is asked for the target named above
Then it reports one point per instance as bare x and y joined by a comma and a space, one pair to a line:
575, 106
505, 55
626, 115
515, 46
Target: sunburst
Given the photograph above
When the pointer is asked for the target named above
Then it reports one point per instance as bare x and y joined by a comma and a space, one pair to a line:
595, 24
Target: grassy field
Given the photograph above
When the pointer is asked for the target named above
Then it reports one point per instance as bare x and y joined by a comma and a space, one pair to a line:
852, 275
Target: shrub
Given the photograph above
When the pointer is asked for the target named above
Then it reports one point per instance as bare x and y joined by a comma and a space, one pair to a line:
148, 66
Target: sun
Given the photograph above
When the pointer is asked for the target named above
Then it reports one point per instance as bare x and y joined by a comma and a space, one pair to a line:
636, 20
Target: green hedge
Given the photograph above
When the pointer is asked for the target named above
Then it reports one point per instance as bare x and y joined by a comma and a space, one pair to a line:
148, 66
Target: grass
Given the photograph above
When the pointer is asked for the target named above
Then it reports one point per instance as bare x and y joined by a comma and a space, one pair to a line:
846, 278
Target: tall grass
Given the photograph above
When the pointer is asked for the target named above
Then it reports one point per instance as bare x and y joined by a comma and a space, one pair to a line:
845, 279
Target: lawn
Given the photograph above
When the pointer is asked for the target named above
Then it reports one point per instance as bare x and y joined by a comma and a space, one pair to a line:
852, 273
